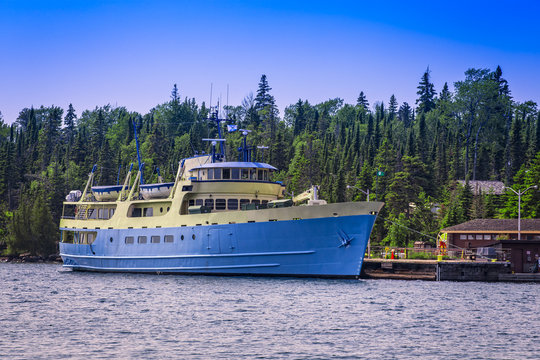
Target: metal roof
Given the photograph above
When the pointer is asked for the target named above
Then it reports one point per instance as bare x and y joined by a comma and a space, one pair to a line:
235, 164
495, 225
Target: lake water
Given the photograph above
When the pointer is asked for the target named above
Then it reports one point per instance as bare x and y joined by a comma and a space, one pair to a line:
48, 312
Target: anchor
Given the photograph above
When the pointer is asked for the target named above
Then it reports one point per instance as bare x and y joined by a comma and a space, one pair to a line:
345, 239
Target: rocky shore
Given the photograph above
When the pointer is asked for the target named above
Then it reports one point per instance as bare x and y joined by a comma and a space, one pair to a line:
27, 258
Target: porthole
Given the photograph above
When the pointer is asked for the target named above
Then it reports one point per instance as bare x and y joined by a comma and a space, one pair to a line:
168, 208
160, 209
193, 236
111, 239
182, 237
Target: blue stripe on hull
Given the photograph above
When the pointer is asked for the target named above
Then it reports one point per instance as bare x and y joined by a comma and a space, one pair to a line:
312, 247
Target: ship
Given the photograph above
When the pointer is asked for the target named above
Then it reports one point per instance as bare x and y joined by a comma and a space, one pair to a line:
218, 217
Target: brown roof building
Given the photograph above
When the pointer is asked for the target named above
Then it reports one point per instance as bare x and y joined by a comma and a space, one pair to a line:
502, 234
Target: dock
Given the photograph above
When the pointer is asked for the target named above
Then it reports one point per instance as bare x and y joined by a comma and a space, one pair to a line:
446, 270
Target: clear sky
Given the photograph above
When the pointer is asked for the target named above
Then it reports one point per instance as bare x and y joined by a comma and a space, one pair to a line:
130, 53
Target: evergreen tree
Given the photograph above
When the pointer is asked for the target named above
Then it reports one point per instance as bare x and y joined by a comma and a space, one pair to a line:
426, 92
362, 101
392, 106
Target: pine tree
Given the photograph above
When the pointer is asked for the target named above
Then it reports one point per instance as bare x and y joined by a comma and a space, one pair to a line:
392, 106
427, 93
362, 101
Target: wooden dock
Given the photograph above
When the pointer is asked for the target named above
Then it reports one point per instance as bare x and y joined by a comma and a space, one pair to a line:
433, 270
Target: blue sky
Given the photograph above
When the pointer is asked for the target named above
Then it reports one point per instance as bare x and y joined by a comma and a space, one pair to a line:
130, 53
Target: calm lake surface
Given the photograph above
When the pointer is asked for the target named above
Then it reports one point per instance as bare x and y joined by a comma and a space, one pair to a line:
49, 312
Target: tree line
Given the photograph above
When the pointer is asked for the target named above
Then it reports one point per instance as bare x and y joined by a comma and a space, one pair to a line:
408, 156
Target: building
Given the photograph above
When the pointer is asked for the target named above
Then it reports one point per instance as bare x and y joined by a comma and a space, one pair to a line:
484, 186
501, 234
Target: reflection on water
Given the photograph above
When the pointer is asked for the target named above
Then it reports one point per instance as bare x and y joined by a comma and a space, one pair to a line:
48, 312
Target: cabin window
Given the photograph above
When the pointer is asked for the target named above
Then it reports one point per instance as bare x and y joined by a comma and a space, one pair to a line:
226, 174
168, 239
209, 203
129, 240
111, 213
210, 174
148, 211
198, 202
487, 237
220, 204
191, 202
217, 174
479, 237
67, 237
232, 204
265, 175
244, 201
256, 202
260, 175
462, 237
245, 174
141, 239
235, 174
154, 239
253, 174
264, 202
101, 213
470, 237
136, 212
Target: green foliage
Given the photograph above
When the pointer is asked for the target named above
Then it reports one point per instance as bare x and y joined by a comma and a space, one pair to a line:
478, 132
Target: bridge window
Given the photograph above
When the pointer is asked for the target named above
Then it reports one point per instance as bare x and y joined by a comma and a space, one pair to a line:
209, 203
220, 204
235, 173
260, 175
232, 204
256, 202
217, 174
226, 174
245, 174
198, 202
148, 211
210, 174
253, 174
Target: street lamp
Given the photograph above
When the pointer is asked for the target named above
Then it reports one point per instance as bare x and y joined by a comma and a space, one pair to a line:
357, 188
519, 193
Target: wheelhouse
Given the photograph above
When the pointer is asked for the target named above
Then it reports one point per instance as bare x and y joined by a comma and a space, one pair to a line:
233, 171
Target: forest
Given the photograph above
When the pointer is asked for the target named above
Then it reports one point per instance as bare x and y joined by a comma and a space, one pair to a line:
410, 156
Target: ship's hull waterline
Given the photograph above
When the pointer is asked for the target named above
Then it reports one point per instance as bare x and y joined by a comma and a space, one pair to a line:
331, 246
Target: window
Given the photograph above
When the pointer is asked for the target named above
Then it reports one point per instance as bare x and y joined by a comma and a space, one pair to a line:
479, 237
256, 202
470, 237
182, 237
264, 202
253, 174
462, 237
243, 201
141, 239
265, 175
260, 175
232, 204
154, 239
245, 174
235, 174
217, 174
209, 203
487, 237
226, 174
210, 174
136, 212
168, 239
220, 204
191, 202
129, 240
111, 212
198, 202
148, 211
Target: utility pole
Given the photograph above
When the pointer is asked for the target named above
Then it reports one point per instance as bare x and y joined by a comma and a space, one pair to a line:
519, 193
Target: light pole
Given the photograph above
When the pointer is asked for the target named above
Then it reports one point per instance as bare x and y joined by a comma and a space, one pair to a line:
357, 188
519, 193
367, 194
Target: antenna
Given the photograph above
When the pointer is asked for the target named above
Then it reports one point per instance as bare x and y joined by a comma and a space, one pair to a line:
227, 107
245, 149
211, 85
216, 157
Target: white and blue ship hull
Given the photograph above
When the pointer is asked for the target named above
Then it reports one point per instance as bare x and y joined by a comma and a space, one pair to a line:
317, 247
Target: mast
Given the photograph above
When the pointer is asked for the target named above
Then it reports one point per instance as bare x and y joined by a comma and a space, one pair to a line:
141, 166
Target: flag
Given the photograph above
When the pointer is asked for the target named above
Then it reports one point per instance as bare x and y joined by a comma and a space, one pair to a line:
232, 128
